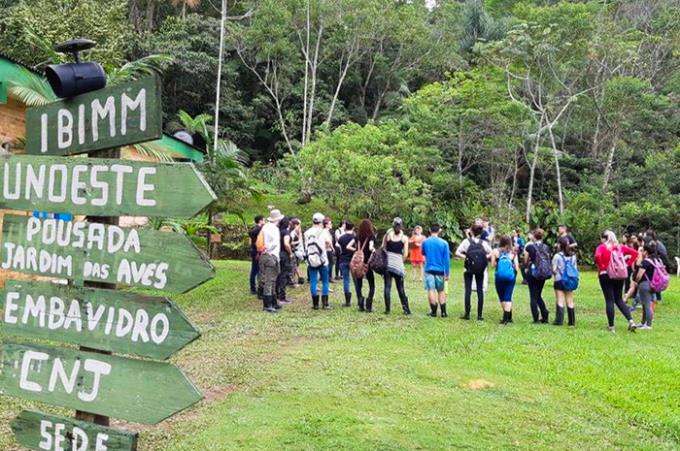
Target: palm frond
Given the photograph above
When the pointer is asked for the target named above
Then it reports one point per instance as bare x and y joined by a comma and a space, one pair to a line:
152, 152
30, 89
133, 70
226, 149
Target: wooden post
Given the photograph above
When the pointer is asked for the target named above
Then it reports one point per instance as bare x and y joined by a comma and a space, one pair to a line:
80, 415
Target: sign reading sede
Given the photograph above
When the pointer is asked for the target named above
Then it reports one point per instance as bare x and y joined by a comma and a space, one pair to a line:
104, 119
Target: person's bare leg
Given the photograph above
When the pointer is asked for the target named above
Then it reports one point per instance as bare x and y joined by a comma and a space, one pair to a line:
432, 299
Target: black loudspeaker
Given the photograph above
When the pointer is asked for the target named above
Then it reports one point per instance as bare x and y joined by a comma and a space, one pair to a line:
69, 80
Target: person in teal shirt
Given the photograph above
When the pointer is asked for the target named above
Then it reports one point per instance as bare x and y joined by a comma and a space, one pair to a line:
437, 267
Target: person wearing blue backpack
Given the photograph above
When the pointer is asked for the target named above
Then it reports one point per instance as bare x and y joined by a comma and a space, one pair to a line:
505, 260
566, 279
537, 260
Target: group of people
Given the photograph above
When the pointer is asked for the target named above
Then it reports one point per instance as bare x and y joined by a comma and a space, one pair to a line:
632, 270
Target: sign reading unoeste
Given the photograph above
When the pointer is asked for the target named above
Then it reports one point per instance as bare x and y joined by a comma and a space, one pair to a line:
96, 252
102, 187
105, 320
142, 391
104, 119
43, 432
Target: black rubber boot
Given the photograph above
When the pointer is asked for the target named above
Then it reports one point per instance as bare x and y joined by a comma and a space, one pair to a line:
571, 313
466, 315
505, 317
387, 306
404, 306
545, 315
443, 309
315, 302
324, 302
433, 310
559, 316
369, 305
510, 317
269, 304
360, 302
348, 299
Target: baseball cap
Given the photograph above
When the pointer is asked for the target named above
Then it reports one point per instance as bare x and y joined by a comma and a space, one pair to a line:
318, 218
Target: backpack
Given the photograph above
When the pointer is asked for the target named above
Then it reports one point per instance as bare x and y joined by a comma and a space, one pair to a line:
660, 280
570, 275
541, 269
505, 270
378, 261
259, 242
316, 257
357, 266
475, 257
617, 268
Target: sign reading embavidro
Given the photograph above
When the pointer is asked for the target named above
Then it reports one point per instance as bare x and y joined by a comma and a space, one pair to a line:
142, 391
105, 320
102, 187
103, 119
96, 252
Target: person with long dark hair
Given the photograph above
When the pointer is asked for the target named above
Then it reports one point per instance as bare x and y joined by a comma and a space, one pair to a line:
255, 288
538, 263
612, 270
365, 240
285, 261
563, 294
345, 253
642, 279
505, 260
395, 243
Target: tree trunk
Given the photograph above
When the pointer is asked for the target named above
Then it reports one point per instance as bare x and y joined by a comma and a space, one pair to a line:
219, 79
461, 149
532, 170
343, 74
150, 12
558, 173
609, 166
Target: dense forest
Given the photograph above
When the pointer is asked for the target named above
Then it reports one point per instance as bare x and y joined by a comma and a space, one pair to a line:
531, 112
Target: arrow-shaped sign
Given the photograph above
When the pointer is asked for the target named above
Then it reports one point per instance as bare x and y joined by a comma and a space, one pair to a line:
96, 252
102, 187
134, 390
103, 119
43, 432
105, 320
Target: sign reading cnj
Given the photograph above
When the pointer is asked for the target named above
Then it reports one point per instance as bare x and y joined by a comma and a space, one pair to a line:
40, 431
135, 390
102, 187
96, 252
106, 320
103, 119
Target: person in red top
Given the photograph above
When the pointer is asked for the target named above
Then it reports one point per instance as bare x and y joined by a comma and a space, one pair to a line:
416, 253
612, 286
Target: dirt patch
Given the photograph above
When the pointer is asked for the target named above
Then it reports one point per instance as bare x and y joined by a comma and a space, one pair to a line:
478, 384
219, 393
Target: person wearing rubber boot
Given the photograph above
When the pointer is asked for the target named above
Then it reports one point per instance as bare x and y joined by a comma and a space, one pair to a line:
269, 260
437, 267
396, 247
317, 242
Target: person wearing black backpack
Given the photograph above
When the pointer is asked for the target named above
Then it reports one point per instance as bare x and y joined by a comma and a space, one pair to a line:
475, 252
538, 262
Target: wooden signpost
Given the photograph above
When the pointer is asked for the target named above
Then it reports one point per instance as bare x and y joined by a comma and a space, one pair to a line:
105, 320
102, 186
144, 258
101, 255
104, 119
142, 391
40, 431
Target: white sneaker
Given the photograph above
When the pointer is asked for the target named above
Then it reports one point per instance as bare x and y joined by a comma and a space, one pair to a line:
644, 327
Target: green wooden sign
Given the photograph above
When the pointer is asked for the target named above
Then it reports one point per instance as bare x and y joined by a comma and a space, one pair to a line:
103, 119
138, 257
140, 391
102, 187
106, 320
43, 432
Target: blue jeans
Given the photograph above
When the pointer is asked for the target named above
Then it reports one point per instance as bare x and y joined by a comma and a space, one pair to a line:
504, 289
254, 269
346, 277
314, 274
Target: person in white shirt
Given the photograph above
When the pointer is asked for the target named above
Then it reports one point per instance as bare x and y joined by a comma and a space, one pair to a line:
317, 242
475, 251
269, 260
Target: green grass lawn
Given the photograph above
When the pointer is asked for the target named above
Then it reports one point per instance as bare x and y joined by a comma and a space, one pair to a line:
341, 379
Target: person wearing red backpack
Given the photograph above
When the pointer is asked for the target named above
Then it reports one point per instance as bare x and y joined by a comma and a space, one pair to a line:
613, 271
